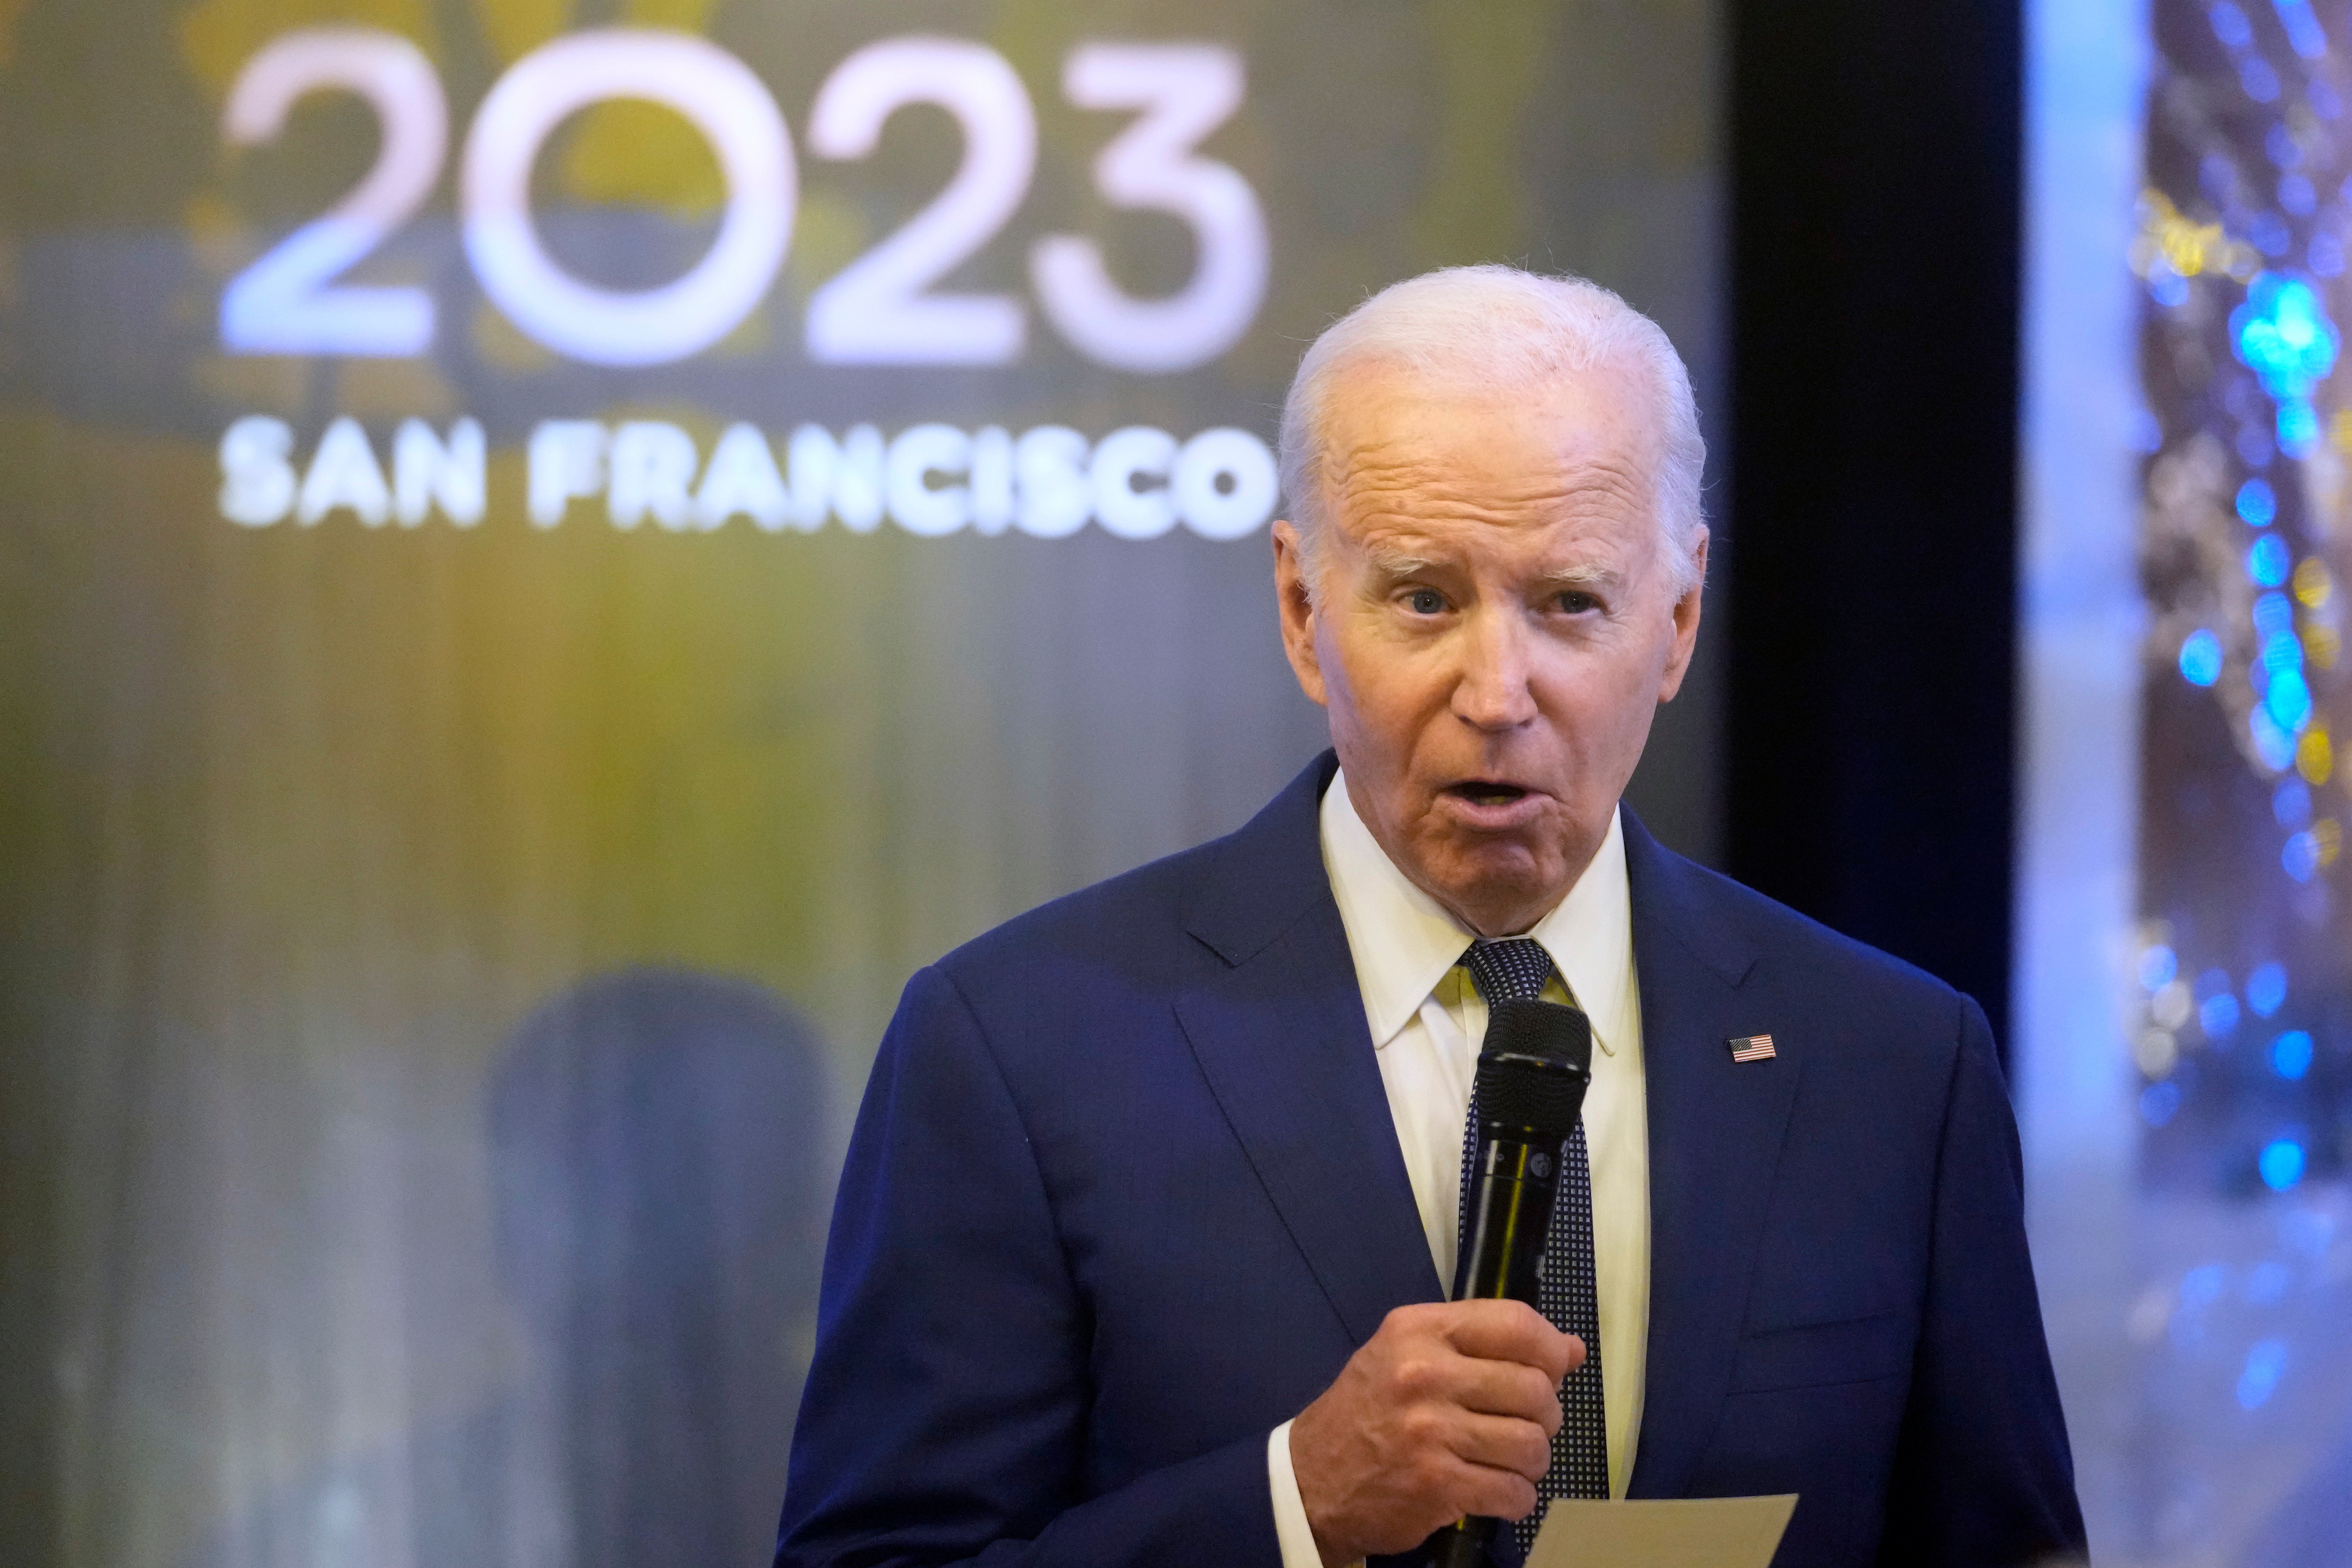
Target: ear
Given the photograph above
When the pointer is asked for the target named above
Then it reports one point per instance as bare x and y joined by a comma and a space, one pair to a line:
1687, 617
1296, 605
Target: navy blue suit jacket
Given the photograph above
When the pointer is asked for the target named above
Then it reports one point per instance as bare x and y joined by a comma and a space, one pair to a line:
1125, 1193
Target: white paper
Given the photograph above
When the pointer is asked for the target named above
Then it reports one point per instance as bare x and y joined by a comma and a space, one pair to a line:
1682, 1532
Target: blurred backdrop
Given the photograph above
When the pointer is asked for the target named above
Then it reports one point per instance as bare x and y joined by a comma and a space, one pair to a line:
2184, 953
553, 551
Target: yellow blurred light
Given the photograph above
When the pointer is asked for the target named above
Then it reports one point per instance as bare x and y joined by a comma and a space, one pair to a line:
2327, 837
2188, 248
2339, 430
2315, 755
2311, 584
2320, 647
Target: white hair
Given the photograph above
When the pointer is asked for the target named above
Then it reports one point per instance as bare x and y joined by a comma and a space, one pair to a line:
1501, 330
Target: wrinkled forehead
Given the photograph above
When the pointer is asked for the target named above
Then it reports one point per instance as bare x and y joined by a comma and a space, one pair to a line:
1401, 442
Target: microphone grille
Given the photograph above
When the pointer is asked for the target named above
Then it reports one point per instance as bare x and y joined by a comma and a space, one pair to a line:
1543, 1029
1536, 1063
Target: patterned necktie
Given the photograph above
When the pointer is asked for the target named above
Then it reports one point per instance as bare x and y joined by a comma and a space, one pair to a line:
1519, 968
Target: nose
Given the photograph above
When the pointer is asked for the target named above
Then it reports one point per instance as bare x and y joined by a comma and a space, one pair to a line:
1491, 689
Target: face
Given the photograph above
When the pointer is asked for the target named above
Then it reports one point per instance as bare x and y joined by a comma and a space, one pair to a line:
1495, 626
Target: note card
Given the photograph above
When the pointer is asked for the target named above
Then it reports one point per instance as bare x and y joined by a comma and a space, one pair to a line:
1680, 1532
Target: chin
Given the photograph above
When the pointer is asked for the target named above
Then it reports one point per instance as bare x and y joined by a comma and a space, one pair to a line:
1491, 877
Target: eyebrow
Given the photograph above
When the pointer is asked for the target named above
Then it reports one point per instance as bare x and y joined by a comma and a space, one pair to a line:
1577, 577
1395, 563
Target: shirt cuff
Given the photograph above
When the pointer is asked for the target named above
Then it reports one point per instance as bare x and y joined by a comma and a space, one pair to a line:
1296, 1536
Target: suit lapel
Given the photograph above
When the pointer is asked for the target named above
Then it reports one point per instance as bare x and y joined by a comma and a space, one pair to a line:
1282, 1040
1716, 1128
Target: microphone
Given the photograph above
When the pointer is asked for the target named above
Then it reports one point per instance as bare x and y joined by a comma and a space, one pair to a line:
1532, 1074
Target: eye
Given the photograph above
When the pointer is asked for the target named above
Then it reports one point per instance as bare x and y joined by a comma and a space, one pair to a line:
1575, 602
1424, 601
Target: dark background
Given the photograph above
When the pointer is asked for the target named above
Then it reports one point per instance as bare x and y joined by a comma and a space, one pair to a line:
1873, 156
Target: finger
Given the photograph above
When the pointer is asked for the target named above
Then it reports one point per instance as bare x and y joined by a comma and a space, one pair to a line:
1491, 1493
1511, 1330
1503, 1443
1506, 1388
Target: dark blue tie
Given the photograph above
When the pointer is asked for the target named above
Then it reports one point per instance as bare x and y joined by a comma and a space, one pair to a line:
1519, 967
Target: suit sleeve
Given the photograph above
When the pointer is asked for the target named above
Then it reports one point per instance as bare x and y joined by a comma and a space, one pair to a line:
945, 1412
1983, 1476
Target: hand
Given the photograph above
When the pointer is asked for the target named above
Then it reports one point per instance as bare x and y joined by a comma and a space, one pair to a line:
1448, 1410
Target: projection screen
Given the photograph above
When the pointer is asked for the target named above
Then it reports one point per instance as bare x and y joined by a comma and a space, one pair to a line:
555, 551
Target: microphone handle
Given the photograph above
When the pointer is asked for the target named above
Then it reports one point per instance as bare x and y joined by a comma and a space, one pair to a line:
1465, 1543
1512, 1179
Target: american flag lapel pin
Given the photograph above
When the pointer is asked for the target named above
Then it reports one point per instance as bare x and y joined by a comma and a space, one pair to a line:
1751, 1048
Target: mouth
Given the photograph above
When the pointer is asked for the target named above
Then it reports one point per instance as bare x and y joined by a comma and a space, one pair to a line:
1492, 805
1486, 792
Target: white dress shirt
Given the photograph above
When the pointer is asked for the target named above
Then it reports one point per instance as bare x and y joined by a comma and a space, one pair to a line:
1427, 1020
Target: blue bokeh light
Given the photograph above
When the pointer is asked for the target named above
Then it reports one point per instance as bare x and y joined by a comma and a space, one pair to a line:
2290, 804
2295, 194
2267, 989
2273, 743
2282, 1163
2300, 858
2289, 699
2218, 1014
2265, 1364
2257, 502
2158, 966
2274, 613
2258, 81
2202, 1286
2326, 257
2159, 1103
2200, 658
2267, 561
2290, 1054
2229, 23
2303, 29
2298, 428
2283, 335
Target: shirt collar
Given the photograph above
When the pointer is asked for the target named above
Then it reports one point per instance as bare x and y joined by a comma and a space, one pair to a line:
1404, 942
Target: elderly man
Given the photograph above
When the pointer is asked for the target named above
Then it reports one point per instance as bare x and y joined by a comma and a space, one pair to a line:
1141, 1246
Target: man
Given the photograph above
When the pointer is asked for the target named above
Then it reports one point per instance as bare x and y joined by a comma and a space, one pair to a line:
1141, 1246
